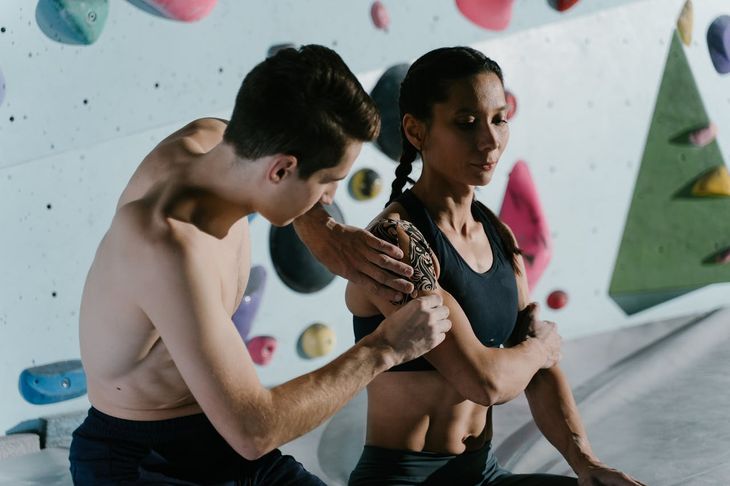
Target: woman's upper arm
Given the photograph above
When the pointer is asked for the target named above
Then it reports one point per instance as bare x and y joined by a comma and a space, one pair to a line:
523, 289
461, 357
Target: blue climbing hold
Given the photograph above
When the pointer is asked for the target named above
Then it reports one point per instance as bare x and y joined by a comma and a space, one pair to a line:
53, 382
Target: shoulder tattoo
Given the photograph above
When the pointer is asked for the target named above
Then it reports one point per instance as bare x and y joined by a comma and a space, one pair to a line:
416, 249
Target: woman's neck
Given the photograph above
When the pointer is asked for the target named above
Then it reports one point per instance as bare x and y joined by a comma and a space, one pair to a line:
448, 204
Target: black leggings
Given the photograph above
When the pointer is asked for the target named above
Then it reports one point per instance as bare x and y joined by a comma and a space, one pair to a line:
393, 467
181, 451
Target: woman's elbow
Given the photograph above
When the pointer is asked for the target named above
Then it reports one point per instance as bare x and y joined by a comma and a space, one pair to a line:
482, 392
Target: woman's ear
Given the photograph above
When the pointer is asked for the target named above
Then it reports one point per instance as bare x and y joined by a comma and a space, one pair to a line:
415, 130
280, 167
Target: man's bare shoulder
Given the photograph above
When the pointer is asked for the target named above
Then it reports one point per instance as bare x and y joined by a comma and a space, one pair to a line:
197, 137
149, 244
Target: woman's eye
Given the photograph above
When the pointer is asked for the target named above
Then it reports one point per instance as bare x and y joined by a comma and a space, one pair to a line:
467, 122
500, 121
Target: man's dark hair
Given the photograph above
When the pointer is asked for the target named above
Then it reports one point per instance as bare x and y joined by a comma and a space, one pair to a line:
303, 102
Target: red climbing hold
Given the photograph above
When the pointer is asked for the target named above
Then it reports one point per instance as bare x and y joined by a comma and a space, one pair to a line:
562, 5
557, 299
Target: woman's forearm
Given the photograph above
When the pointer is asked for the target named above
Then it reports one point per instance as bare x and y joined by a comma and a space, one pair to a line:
556, 415
508, 371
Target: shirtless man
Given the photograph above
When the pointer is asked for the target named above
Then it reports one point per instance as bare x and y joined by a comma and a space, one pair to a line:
175, 397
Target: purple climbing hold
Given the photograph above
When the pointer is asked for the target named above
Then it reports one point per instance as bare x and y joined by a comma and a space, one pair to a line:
246, 312
718, 43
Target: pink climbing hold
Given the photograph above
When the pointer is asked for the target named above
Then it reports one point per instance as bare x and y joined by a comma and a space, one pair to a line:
182, 10
723, 257
522, 212
490, 14
557, 299
380, 16
261, 349
511, 103
703, 136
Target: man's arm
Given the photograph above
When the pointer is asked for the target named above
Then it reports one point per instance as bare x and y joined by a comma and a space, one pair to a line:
355, 254
182, 298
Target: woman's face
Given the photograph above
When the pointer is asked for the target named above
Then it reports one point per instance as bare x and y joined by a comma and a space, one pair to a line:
468, 132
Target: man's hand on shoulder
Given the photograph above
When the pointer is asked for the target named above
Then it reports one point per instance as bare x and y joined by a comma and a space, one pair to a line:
355, 254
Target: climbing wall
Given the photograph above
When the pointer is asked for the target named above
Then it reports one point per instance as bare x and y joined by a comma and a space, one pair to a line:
84, 96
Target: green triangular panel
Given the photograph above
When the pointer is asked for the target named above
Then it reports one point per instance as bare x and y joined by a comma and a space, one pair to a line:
669, 234
639, 301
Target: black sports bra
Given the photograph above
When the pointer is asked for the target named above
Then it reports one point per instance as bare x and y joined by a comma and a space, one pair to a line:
488, 299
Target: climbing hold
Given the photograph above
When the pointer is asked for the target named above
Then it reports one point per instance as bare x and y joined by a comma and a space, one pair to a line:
685, 22
261, 349
246, 313
490, 14
562, 5
723, 257
53, 382
181, 10
273, 50
364, 184
703, 136
316, 340
718, 43
380, 16
715, 182
522, 212
557, 299
512, 103
385, 94
294, 263
72, 21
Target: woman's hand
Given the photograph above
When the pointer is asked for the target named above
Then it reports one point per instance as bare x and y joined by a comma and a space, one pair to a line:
355, 254
602, 475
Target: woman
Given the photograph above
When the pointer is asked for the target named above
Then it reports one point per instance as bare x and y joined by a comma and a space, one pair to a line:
429, 420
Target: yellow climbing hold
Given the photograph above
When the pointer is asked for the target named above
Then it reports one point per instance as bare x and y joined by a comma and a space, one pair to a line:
684, 23
714, 183
317, 340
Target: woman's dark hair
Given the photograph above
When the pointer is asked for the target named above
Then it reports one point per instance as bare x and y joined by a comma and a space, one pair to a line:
304, 102
426, 83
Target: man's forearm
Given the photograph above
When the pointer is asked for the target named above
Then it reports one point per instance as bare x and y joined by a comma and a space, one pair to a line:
556, 415
312, 223
299, 405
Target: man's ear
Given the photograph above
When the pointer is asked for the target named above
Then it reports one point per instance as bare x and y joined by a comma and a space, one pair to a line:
415, 130
280, 167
